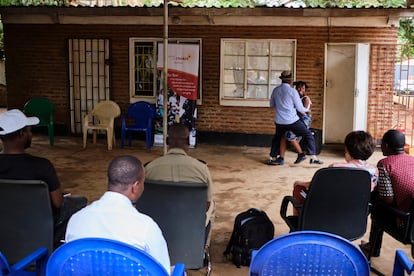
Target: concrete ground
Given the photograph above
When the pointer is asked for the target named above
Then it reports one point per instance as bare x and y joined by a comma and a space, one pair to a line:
241, 181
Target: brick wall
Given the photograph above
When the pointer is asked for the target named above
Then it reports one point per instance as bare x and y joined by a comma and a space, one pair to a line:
37, 66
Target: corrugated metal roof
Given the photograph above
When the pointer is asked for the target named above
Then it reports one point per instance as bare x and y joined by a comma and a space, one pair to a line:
213, 3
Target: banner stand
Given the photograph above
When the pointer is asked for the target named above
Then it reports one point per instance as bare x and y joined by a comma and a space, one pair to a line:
182, 90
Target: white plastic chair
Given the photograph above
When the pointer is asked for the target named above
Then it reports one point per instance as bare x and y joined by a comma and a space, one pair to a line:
101, 118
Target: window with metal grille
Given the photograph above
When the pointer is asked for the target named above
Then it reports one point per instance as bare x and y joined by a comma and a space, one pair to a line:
145, 79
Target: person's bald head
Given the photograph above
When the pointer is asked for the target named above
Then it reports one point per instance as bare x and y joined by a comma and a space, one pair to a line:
393, 142
178, 136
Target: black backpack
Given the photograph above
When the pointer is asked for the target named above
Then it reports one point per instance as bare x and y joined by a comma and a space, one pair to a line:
252, 229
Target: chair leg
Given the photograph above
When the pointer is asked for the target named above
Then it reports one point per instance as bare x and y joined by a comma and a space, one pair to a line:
207, 260
375, 271
122, 138
85, 134
148, 140
109, 138
374, 243
51, 135
94, 136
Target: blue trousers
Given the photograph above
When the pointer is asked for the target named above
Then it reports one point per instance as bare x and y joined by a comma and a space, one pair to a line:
298, 128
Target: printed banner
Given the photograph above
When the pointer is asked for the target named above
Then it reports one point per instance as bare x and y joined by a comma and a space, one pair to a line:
183, 67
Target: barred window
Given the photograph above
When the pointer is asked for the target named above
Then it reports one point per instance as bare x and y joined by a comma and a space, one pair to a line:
144, 77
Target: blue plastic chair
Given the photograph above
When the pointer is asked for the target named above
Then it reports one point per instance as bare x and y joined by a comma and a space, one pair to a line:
98, 256
138, 118
44, 109
38, 256
402, 264
309, 253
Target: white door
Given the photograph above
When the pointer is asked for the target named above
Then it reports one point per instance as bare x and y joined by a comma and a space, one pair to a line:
346, 90
361, 87
89, 80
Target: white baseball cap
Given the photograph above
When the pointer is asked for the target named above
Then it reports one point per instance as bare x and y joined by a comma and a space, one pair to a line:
13, 120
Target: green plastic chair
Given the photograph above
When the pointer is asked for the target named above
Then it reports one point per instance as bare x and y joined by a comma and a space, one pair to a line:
43, 109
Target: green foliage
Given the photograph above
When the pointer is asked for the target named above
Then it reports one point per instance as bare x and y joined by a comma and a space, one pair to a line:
406, 36
221, 3
406, 30
226, 3
33, 2
354, 3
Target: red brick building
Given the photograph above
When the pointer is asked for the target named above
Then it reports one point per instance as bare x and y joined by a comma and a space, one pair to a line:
40, 44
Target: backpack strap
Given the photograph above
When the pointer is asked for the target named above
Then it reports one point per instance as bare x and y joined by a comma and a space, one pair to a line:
232, 240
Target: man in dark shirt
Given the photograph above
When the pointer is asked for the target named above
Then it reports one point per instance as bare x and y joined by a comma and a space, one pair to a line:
16, 135
395, 187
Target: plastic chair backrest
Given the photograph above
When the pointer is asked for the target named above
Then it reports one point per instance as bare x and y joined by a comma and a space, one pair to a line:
138, 118
142, 113
337, 202
27, 218
98, 256
106, 110
309, 253
180, 211
37, 257
402, 264
42, 108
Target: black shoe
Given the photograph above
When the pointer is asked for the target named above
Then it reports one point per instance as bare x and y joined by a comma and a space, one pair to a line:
315, 162
300, 158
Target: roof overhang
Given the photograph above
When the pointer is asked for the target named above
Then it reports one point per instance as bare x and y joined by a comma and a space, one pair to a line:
367, 17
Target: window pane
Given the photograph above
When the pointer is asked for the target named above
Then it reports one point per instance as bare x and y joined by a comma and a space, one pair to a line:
282, 63
234, 48
258, 48
234, 62
233, 91
274, 78
233, 76
282, 48
257, 91
144, 69
257, 77
260, 63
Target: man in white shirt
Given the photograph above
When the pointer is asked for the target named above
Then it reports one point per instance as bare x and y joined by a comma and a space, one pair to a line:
114, 216
286, 102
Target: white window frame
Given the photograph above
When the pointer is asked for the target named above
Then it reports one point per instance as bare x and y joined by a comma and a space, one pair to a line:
156, 78
243, 65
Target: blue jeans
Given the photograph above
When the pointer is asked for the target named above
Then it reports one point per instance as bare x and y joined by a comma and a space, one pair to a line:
290, 136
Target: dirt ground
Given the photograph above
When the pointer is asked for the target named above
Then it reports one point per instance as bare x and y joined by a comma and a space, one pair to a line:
241, 181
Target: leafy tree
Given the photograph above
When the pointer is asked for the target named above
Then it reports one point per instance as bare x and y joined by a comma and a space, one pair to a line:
406, 36
406, 31
354, 3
